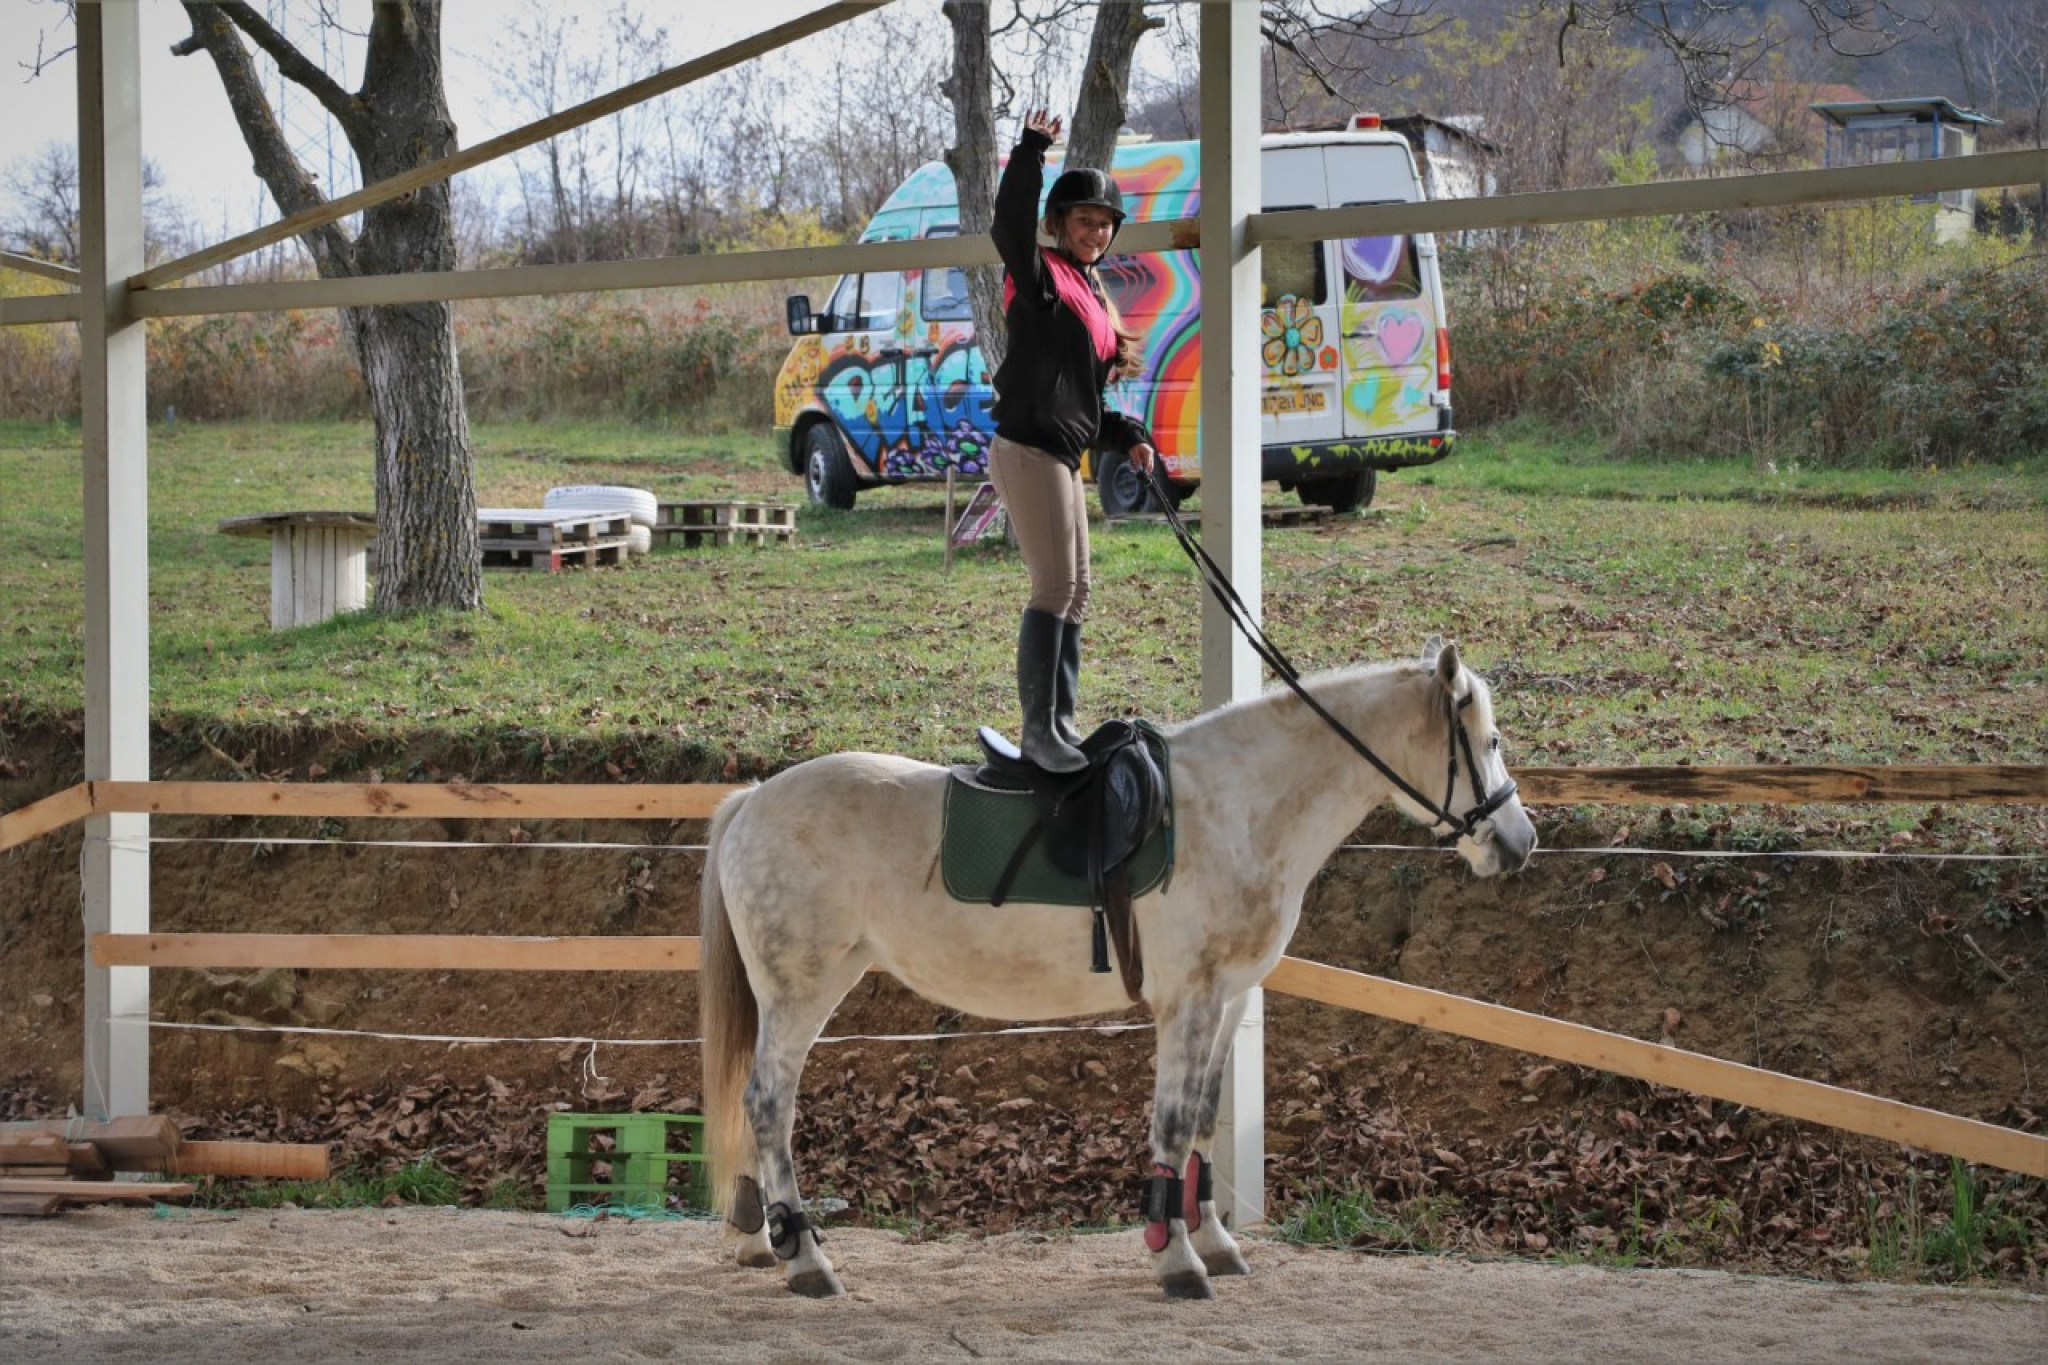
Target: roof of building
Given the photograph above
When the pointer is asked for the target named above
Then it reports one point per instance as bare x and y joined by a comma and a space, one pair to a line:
1840, 111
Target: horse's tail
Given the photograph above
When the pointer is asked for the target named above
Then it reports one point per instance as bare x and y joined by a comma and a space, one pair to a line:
728, 1015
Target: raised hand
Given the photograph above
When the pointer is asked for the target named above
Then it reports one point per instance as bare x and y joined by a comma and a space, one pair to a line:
1043, 121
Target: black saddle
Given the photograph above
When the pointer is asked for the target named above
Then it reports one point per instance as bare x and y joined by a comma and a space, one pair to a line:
1089, 823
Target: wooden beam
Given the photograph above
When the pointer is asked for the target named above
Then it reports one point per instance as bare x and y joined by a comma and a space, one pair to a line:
1712, 194
1446, 215
1724, 193
31, 265
593, 277
402, 952
660, 83
46, 816
1785, 784
40, 308
95, 1191
417, 800
1811, 1101
252, 1160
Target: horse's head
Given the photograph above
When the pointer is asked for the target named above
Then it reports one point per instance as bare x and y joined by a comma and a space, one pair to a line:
1485, 817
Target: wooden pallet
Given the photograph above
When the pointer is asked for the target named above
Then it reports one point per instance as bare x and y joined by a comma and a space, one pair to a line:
726, 523
522, 554
540, 527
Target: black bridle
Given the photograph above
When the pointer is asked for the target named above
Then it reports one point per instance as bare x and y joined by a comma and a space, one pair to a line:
1461, 826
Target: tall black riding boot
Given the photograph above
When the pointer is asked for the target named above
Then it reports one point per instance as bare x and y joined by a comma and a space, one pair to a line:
1038, 666
1069, 683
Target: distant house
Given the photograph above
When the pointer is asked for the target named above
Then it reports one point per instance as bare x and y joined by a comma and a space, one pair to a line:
1454, 159
1863, 132
1773, 121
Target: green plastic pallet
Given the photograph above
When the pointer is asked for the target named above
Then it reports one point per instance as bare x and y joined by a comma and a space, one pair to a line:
640, 1160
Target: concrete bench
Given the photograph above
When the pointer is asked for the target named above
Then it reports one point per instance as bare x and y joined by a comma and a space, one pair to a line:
319, 562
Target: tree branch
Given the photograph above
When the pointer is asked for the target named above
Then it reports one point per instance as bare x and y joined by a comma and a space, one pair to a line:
292, 63
290, 185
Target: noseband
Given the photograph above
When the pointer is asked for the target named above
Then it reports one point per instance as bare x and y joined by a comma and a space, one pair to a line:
1467, 824
1461, 826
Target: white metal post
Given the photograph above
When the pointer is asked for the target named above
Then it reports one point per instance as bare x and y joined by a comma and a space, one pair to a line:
1230, 495
115, 431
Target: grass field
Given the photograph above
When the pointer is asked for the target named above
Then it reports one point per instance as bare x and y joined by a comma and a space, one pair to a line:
1626, 613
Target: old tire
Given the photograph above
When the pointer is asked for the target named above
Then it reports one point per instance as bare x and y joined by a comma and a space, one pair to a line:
637, 503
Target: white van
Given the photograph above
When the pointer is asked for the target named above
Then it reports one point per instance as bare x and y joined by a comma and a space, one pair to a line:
886, 385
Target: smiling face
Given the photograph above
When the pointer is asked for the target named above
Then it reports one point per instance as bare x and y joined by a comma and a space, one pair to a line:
1085, 232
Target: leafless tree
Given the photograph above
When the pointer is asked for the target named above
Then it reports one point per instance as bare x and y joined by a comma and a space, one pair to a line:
45, 221
2001, 55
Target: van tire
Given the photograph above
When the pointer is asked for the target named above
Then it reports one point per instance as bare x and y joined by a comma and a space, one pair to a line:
1123, 490
828, 472
1345, 493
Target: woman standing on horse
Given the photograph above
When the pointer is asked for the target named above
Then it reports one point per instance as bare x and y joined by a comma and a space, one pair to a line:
1065, 344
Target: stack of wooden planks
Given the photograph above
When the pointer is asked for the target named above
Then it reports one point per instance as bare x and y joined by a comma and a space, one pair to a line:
48, 1163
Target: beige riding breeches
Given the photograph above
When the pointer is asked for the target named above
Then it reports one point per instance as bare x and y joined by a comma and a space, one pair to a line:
1047, 505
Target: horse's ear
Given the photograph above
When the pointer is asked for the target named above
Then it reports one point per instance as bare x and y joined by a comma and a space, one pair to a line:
1448, 666
1432, 647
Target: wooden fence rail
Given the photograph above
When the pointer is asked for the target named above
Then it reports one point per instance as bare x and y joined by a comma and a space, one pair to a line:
1555, 1039
1577, 1044
1782, 784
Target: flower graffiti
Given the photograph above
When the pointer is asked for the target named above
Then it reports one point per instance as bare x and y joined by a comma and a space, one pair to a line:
1293, 334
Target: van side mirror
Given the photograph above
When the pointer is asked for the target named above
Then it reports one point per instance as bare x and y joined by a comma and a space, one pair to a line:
802, 322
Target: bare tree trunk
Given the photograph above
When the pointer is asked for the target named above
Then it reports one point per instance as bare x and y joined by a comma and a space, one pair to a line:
972, 159
426, 555
1106, 81
426, 551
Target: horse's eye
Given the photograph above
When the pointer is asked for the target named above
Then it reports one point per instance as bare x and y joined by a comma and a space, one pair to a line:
1494, 744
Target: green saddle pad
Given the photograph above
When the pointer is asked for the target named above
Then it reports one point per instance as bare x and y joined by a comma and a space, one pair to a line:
983, 827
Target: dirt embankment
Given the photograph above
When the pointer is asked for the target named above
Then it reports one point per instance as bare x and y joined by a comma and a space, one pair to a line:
1925, 982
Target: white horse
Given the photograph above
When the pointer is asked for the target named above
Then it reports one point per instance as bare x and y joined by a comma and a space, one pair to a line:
831, 868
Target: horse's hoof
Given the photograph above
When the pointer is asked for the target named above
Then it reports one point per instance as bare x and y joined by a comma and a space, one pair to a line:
1188, 1284
759, 1260
1225, 1263
816, 1284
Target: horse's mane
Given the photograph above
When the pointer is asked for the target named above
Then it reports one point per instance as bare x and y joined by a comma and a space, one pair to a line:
1322, 683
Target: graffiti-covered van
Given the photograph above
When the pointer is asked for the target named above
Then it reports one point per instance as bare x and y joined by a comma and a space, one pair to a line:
885, 383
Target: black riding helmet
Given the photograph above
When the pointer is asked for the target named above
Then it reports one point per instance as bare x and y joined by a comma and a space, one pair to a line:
1086, 185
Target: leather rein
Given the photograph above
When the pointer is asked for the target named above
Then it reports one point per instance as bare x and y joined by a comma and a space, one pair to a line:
1461, 826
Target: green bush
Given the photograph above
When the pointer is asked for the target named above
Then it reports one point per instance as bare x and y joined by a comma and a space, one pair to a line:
1563, 346
271, 366
1953, 370
646, 358
1949, 369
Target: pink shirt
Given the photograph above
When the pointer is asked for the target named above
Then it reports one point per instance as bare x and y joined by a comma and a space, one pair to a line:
1075, 292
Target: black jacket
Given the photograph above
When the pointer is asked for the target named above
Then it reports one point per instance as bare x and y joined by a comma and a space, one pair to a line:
1049, 386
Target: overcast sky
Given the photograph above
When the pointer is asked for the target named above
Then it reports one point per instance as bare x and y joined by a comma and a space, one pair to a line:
188, 132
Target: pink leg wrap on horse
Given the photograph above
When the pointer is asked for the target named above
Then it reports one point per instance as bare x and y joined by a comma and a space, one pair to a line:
1195, 1189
